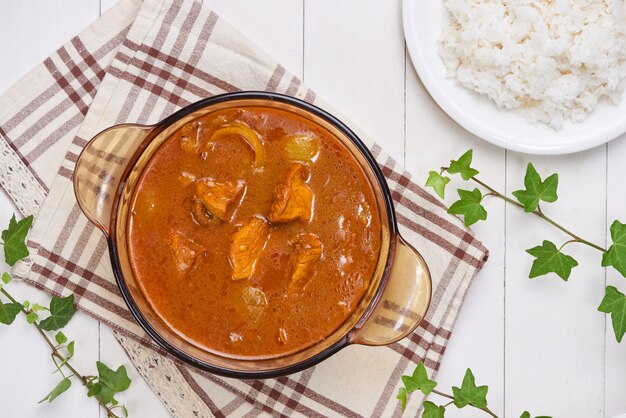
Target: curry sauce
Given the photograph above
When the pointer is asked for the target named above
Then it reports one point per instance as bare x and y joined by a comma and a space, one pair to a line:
253, 232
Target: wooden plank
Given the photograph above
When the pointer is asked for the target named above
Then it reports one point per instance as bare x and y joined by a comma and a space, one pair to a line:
26, 363
276, 26
555, 336
140, 400
615, 366
32, 29
353, 57
432, 140
106, 5
354, 60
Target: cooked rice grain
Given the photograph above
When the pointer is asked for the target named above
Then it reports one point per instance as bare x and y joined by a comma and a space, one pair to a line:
548, 60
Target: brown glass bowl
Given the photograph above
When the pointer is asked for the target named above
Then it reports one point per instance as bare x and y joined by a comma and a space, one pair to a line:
105, 177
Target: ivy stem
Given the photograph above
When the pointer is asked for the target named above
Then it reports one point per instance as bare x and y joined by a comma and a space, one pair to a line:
567, 242
54, 360
58, 355
540, 214
489, 411
445, 395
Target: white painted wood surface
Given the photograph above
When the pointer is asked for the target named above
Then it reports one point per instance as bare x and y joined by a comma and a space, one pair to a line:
539, 344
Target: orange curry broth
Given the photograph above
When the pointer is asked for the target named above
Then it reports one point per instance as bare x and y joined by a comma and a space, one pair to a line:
204, 304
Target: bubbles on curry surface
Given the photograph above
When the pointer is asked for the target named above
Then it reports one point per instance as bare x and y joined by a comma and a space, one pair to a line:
308, 275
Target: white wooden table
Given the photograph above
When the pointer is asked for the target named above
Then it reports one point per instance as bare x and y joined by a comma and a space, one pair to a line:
539, 345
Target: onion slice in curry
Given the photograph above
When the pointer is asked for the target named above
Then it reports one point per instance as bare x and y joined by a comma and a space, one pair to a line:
250, 136
304, 147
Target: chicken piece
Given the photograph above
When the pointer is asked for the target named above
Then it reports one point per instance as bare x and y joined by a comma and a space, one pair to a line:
246, 247
199, 214
186, 251
219, 198
307, 252
190, 137
293, 199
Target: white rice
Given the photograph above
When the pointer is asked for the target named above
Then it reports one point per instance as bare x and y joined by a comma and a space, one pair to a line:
548, 60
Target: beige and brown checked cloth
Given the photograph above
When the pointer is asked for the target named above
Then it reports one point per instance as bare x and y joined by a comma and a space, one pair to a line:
138, 63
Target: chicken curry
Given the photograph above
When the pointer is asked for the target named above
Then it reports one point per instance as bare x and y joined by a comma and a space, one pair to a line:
253, 232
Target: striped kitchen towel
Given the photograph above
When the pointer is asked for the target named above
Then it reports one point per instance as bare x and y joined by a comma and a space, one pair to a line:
142, 61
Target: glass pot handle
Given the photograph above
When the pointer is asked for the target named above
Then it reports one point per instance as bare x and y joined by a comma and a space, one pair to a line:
404, 301
100, 167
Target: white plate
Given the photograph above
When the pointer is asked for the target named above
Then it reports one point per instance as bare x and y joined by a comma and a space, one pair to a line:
423, 22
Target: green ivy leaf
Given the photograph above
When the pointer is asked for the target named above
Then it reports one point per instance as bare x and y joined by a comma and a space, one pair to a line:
438, 182
431, 410
37, 307
70, 348
462, 166
112, 382
8, 312
58, 389
14, 238
525, 414
616, 254
32, 317
6, 278
469, 206
94, 389
536, 189
60, 338
401, 396
469, 393
548, 259
614, 302
61, 311
124, 411
419, 380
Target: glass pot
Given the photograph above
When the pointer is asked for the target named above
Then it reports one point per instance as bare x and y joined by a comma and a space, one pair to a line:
105, 177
